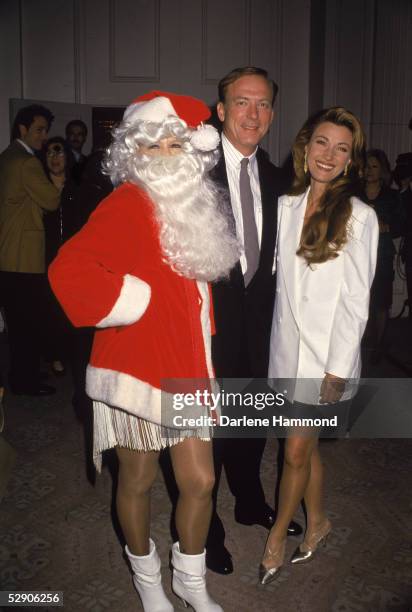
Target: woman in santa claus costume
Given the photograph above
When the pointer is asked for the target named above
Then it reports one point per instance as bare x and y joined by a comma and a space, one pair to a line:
138, 272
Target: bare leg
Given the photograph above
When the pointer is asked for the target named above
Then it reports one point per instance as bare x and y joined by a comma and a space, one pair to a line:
295, 478
314, 493
137, 472
192, 462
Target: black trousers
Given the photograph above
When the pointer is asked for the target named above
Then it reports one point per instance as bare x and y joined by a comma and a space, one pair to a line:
24, 299
241, 459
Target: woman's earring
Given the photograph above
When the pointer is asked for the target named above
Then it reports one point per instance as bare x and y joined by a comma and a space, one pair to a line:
305, 163
345, 172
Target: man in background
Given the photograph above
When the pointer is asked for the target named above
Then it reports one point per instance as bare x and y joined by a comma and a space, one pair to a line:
25, 195
76, 136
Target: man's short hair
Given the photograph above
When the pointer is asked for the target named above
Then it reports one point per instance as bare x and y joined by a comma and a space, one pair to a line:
26, 115
237, 73
76, 123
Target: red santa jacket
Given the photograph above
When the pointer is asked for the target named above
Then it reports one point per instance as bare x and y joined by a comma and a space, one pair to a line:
152, 324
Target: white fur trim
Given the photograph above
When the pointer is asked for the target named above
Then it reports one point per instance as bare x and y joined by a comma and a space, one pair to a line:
207, 336
124, 391
205, 322
131, 304
155, 110
205, 138
135, 396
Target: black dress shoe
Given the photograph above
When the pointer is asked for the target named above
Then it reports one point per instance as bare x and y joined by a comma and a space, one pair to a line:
219, 559
263, 516
266, 518
37, 391
294, 529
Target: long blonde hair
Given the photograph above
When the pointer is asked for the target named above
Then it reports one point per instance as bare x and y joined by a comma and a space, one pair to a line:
326, 232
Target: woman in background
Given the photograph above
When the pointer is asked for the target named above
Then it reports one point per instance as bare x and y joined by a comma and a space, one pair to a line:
385, 202
327, 242
59, 225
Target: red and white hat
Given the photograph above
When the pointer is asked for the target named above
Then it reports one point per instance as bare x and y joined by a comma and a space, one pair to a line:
156, 106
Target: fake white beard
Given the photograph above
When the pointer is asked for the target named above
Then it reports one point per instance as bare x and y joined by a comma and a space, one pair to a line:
195, 232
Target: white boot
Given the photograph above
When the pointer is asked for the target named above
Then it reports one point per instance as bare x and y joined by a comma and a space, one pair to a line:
148, 581
189, 581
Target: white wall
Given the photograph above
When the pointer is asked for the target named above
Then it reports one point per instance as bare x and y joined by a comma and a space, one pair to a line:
357, 53
349, 56
107, 52
392, 86
10, 64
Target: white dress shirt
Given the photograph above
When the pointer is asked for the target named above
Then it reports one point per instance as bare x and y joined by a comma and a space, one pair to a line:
232, 160
25, 146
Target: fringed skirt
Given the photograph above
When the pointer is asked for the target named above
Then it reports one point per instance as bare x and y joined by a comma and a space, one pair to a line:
115, 427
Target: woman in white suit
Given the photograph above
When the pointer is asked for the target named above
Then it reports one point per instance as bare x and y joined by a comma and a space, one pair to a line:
327, 243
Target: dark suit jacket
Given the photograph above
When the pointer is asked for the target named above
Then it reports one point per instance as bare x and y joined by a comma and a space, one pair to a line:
243, 316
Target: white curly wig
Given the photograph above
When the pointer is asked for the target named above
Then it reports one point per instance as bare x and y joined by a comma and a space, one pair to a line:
196, 234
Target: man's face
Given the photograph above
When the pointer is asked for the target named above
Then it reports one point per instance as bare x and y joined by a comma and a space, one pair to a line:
76, 137
35, 135
247, 112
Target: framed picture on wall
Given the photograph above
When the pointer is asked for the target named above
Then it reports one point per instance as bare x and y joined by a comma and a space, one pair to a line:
104, 119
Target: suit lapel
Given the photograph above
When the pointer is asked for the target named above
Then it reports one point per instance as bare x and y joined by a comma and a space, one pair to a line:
17, 149
291, 223
269, 210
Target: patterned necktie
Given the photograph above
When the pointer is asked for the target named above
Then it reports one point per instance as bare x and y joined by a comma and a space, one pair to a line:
250, 235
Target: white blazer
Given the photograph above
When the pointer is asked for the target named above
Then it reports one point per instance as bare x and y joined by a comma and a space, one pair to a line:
321, 311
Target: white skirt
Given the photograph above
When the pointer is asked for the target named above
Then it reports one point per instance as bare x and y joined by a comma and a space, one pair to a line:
115, 427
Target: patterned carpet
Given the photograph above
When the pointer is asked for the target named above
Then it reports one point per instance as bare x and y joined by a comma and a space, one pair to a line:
58, 530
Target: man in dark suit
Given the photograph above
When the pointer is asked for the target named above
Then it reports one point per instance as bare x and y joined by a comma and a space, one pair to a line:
243, 305
76, 136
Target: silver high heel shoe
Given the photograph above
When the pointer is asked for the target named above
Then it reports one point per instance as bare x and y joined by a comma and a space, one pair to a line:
311, 543
275, 557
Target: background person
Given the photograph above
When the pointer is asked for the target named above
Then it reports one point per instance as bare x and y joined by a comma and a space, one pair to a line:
76, 136
385, 201
25, 195
327, 243
59, 225
138, 272
403, 177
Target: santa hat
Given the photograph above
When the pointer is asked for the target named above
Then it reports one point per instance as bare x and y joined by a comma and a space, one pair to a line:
156, 106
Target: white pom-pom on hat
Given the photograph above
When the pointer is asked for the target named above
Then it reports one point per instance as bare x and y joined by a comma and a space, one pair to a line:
205, 138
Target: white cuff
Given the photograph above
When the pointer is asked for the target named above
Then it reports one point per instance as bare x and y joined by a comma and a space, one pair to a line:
131, 304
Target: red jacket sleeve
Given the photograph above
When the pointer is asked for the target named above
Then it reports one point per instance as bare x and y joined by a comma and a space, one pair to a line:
91, 275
